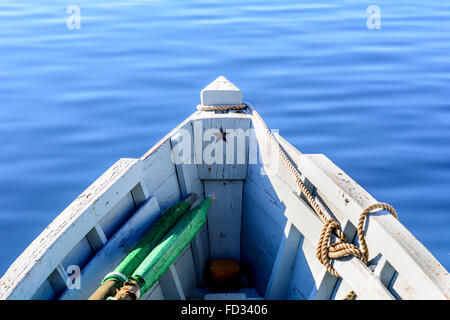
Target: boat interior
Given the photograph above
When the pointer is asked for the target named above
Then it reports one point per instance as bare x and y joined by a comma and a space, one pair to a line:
259, 221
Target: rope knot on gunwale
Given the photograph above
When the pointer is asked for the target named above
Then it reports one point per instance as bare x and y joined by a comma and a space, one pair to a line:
327, 250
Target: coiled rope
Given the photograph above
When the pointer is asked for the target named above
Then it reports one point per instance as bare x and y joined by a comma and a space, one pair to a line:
326, 250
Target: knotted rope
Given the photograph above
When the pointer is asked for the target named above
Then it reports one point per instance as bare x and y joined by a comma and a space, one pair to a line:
325, 249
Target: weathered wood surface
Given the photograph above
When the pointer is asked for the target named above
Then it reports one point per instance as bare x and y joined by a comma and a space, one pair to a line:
224, 218
185, 268
39, 260
115, 250
179, 281
189, 182
171, 285
405, 266
221, 146
44, 254
263, 222
355, 273
97, 238
219, 92
425, 278
284, 264
160, 176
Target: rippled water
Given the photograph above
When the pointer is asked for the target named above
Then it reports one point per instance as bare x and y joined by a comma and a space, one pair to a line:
72, 102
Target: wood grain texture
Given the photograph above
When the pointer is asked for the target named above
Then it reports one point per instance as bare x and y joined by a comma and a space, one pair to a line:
425, 276
284, 264
360, 278
221, 146
43, 255
224, 218
189, 182
115, 250
171, 285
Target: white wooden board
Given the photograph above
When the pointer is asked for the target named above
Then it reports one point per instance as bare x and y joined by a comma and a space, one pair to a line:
221, 146
115, 250
43, 255
224, 218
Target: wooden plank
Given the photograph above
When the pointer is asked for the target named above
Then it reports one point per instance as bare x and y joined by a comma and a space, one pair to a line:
359, 277
263, 222
189, 182
161, 178
115, 250
65, 231
306, 269
384, 271
58, 279
256, 261
404, 252
185, 268
200, 253
224, 218
355, 273
112, 221
44, 292
79, 255
140, 194
284, 263
168, 193
258, 190
154, 293
260, 228
43, 255
171, 285
158, 167
187, 171
221, 146
96, 238
341, 290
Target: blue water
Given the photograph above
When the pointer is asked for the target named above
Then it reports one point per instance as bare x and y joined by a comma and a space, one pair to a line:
375, 101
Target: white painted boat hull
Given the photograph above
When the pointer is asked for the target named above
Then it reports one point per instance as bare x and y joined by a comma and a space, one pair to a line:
259, 218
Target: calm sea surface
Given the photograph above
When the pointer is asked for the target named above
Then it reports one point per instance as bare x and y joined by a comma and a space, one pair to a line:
375, 101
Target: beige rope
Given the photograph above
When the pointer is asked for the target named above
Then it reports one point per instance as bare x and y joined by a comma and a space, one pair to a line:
325, 249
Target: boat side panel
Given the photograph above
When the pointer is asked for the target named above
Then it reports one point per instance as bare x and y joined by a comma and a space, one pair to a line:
115, 250
118, 215
189, 182
179, 281
309, 224
160, 176
424, 276
185, 268
263, 223
281, 274
44, 254
44, 292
